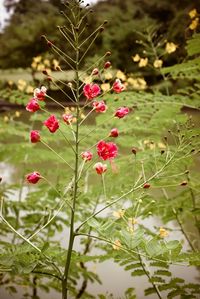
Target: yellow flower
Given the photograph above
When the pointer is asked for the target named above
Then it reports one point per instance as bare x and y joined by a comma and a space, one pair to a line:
142, 83
6, 119
37, 59
136, 58
192, 13
40, 67
87, 80
46, 62
34, 65
158, 63
29, 89
108, 75
143, 62
117, 245
10, 82
163, 233
82, 116
120, 75
119, 214
17, 114
138, 83
105, 87
170, 47
21, 84
194, 24
161, 145
131, 223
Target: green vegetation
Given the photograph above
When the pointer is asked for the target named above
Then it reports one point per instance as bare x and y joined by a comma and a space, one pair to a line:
154, 176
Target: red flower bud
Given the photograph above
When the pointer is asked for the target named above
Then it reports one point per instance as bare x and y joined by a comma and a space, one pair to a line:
114, 133
107, 64
33, 177
87, 156
118, 86
121, 112
34, 136
146, 186
100, 167
134, 150
67, 118
100, 106
95, 72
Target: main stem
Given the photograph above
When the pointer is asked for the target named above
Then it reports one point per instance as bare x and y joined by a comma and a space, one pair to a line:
75, 189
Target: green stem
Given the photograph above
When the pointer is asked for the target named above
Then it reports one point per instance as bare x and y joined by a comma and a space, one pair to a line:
65, 280
147, 272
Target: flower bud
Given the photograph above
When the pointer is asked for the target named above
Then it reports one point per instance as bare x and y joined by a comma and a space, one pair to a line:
95, 72
100, 167
87, 156
114, 132
108, 53
184, 183
107, 64
33, 177
34, 136
146, 186
134, 150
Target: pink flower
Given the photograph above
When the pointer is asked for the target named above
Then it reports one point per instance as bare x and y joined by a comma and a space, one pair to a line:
118, 86
87, 156
100, 168
106, 150
91, 91
52, 123
107, 64
114, 133
40, 93
67, 118
33, 177
32, 105
99, 106
34, 136
121, 112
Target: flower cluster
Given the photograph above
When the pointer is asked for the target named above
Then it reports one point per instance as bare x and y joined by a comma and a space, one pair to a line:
105, 150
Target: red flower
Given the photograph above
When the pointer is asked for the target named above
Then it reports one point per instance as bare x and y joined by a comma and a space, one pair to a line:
107, 64
34, 136
87, 156
121, 112
99, 106
100, 168
32, 105
114, 133
106, 150
40, 93
33, 177
67, 118
52, 123
91, 91
118, 86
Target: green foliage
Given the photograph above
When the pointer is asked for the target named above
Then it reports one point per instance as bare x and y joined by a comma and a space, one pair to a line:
111, 214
